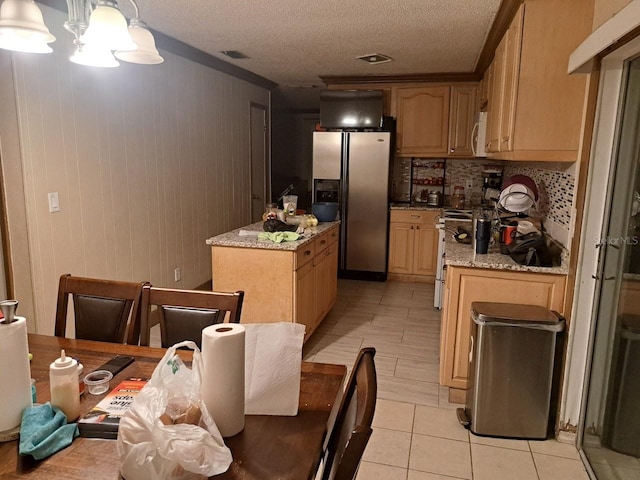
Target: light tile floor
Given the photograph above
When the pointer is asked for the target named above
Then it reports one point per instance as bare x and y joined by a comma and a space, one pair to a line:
416, 434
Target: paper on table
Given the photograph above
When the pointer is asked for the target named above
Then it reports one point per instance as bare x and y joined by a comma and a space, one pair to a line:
273, 358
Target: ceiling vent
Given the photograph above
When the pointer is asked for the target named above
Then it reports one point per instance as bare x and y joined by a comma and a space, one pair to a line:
236, 55
374, 58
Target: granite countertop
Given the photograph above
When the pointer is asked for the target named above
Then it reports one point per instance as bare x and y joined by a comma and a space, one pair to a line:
234, 239
463, 255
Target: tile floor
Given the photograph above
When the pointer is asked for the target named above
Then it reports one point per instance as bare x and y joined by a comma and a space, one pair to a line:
416, 435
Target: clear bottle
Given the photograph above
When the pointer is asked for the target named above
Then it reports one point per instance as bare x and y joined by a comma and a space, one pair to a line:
457, 199
64, 384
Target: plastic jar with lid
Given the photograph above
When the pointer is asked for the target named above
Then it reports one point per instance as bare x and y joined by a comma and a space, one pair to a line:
457, 199
64, 384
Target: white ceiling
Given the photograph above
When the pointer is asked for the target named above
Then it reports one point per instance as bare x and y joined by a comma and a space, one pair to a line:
294, 42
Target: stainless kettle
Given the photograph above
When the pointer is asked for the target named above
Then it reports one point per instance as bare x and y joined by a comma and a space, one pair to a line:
433, 199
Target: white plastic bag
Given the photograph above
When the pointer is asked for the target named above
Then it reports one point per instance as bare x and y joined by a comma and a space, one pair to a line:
151, 450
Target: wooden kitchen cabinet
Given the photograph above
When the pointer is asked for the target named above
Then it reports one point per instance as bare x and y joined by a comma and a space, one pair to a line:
535, 107
413, 245
462, 112
466, 285
281, 285
422, 121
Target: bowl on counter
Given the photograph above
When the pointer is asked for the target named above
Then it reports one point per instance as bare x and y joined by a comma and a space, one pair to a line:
325, 211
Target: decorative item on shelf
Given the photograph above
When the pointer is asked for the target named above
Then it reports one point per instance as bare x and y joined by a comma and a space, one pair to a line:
98, 32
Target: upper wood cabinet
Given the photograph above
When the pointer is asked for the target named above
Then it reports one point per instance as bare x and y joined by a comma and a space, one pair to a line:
462, 113
422, 121
535, 107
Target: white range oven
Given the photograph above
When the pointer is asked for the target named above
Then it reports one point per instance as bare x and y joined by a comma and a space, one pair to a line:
447, 215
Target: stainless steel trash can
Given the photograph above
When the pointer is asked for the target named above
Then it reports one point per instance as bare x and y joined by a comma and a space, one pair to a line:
622, 416
512, 359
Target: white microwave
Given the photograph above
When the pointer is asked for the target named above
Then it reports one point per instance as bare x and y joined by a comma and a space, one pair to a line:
479, 136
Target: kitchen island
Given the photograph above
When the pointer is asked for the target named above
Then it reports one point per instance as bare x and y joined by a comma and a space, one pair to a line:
282, 282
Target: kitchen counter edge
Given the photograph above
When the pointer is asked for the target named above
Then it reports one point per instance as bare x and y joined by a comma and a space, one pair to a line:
234, 239
462, 255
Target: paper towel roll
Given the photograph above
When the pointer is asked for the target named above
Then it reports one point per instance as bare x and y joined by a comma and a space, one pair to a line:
223, 381
15, 377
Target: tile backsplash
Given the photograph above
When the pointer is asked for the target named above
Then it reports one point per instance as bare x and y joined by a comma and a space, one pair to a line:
555, 189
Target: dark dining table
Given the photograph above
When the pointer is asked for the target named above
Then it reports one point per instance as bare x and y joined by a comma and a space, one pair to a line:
269, 447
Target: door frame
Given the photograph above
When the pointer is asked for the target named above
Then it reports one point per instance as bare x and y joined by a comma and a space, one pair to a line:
597, 205
267, 154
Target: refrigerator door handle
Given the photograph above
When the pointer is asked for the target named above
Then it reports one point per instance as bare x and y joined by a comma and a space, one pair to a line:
344, 171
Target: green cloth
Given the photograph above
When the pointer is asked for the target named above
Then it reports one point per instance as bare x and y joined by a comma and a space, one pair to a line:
279, 237
44, 431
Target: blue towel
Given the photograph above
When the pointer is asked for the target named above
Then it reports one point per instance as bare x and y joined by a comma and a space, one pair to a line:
44, 431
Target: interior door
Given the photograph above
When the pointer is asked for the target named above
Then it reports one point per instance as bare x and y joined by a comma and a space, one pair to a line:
260, 193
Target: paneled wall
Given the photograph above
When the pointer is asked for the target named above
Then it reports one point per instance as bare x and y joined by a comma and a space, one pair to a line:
148, 162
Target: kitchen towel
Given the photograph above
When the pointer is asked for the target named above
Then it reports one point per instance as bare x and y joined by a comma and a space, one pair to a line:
273, 357
45, 431
223, 380
15, 377
279, 237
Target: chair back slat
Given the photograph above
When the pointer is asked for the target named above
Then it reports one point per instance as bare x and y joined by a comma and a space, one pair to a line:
104, 310
352, 427
183, 314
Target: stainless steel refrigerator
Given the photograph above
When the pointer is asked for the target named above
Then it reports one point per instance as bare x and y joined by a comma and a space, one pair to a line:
357, 164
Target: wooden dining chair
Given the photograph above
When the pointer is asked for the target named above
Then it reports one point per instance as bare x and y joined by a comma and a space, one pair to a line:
102, 309
352, 428
183, 314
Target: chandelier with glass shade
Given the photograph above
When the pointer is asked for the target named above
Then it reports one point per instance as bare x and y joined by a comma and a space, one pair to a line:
101, 34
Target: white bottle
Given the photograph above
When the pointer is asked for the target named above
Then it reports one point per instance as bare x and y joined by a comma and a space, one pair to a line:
63, 381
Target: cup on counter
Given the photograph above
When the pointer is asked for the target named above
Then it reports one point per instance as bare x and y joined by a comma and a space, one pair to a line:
483, 235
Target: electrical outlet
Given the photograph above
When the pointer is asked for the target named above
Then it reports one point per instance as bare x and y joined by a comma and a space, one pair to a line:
177, 274
54, 202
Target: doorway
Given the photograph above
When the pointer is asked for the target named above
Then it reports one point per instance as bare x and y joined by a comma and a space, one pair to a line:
610, 419
260, 181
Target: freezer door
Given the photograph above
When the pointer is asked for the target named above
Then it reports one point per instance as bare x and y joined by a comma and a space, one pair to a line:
366, 217
327, 155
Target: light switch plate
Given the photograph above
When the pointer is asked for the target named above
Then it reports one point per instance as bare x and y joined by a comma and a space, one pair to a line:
177, 274
54, 202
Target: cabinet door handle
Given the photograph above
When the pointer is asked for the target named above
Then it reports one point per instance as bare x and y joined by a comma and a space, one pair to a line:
451, 150
417, 227
411, 227
307, 253
505, 139
322, 242
416, 216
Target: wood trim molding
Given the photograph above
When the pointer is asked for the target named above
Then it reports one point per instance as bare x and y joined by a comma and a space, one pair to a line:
170, 44
417, 78
504, 16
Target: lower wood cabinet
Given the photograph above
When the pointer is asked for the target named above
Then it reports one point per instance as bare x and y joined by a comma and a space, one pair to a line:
282, 285
413, 244
466, 285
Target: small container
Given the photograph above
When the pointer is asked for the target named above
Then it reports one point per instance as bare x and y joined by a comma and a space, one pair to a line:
98, 382
64, 384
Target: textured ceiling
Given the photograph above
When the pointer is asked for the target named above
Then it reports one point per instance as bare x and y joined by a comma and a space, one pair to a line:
294, 42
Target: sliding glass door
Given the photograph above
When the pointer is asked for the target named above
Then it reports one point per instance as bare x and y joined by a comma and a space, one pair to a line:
610, 426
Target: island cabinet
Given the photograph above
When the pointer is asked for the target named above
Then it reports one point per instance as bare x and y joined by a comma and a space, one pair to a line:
413, 245
534, 107
463, 286
293, 283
